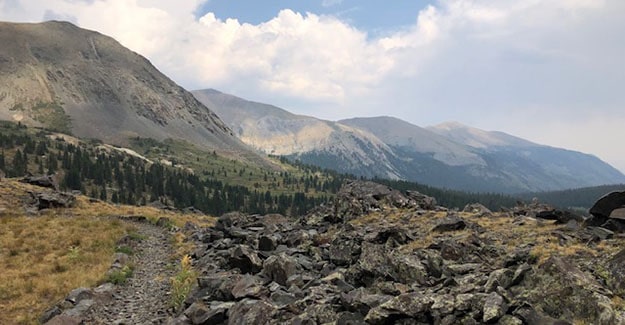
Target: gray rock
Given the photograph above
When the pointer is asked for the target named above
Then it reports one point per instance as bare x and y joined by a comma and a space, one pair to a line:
603, 208
49, 314
501, 277
476, 208
267, 243
409, 269
410, 305
494, 307
248, 311
249, 286
42, 181
279, 267
450, 223
359, 300
509, 320
245, 259
65, 320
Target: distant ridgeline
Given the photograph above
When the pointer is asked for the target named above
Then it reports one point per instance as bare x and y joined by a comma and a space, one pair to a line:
208, 182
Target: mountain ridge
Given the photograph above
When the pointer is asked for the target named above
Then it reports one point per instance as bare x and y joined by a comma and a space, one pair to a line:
70, 79
450, 155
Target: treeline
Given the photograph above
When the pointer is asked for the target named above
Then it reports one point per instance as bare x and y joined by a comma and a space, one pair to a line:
583, 198
452, 198
117, 177
444, 197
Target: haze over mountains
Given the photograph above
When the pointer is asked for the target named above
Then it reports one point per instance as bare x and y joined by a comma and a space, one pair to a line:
62, 77
448, 155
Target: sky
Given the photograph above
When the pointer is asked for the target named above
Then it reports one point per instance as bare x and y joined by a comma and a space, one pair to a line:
550, 71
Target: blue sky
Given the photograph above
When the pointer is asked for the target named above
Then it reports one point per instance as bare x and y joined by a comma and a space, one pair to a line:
373, 16
548, 71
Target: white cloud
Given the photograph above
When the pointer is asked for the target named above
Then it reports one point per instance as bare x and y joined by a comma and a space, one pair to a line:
478, 61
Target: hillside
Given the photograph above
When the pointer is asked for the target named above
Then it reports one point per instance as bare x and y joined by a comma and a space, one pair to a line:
323, 143
69, 79
450, 155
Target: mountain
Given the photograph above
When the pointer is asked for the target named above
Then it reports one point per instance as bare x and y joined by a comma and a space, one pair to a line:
69, 79
311, 140
449, 155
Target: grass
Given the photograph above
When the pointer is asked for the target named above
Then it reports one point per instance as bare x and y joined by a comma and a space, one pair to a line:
45, 256
182, 282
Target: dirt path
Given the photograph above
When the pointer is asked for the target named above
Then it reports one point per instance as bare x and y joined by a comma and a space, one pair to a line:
145, 297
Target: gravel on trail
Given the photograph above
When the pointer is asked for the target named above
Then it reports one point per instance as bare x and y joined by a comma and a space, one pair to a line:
145, 297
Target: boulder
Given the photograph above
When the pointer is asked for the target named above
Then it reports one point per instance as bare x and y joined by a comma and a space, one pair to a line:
249, 286
476, 208
46, 181
249, 311
561, 217
603, 208
51, 200
494, 308
413, 305
361, 301
199, 314
245, 259
423, 201
279, 267
450, 223
268, 243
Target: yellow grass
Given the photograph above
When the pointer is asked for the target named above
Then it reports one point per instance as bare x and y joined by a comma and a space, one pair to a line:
45, 256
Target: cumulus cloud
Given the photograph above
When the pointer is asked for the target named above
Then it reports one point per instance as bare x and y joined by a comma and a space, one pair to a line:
479, 61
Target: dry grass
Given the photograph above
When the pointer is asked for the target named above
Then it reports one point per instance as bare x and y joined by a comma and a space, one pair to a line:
45, 256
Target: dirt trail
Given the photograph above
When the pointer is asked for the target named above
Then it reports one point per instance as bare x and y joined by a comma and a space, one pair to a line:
145, 297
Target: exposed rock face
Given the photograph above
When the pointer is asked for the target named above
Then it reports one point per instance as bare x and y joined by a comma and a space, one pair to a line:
396, 270
57, 75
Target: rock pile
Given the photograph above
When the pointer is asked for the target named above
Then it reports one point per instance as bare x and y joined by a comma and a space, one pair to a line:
420, 265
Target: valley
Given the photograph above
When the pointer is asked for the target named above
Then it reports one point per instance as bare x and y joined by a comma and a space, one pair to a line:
126, 199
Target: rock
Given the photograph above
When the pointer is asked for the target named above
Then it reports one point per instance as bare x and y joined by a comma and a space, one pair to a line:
49, 314
245, 259
529, 315
54, 200
410, 305
79, 294
163, 222
217, 286
476, 208
344, 251
216, 313
359, 300
409, 269
561, 290
249, 286
46, 181
618, 214
80, 309
600, 233
519, 273
347, 318
392, 236
450, 223
499, 278
460, 269
249, 311
423, 201
267, 243
279, 267
494, 307
602, 209
509, 320
616, 268
561, 217
282, 298
65, 320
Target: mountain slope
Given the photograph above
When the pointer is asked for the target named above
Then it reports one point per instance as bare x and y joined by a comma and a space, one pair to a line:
555, 167
57, 75
323, 143
449, 155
